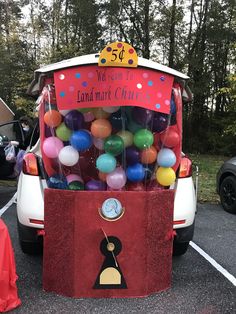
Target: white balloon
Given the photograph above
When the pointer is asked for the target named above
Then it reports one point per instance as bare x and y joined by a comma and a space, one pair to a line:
98, 143
110, 109
68, 156
64, 112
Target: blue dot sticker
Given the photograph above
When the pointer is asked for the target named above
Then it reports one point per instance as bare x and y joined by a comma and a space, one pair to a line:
162, 78
62, 94
84, 84
158, 106
103, 60
77, 75
150, 83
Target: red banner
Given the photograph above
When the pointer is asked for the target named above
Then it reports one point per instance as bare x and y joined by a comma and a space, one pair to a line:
93, 86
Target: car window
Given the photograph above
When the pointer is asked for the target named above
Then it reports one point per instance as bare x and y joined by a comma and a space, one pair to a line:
11, 131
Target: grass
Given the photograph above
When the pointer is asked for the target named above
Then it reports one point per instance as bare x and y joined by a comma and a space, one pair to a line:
208, 167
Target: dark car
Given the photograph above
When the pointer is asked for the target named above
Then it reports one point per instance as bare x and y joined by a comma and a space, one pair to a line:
226, 185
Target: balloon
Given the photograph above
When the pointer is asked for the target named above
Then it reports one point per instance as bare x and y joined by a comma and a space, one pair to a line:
81, 140
133, 126
76, 185
74, 120
149, 155
95, 185
127, 137
136, 186
106, 163
102, 176
110, 109
116, 179
114, 145
165, 176
135, 172
88, 116
143, 139
157, 141
64, 112
57, 181
100, 114
160, 122
52, 146
63, 133
142, 116
166, 158
132, 155
52, 118
101, 128
73, 177
170, 138
68, 156
84, 110
98, 143
118, 120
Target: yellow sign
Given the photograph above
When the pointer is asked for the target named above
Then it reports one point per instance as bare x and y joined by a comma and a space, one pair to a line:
118, 54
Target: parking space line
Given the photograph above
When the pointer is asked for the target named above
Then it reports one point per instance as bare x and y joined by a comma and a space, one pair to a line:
221, 269
4, 208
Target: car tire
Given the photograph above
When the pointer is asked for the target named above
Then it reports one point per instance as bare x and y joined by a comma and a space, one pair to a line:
228, 194
29, 243
180, 248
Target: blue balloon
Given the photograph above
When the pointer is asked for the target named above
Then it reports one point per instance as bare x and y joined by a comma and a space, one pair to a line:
81, 140
135, 173
57, 182
166, 158
106, 163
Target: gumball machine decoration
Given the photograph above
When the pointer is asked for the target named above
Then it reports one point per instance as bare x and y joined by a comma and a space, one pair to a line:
111, 151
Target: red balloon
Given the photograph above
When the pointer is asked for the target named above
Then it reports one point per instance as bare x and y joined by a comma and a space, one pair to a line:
170, 138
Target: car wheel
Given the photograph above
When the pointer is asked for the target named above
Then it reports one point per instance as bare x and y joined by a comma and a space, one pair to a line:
29, 243
180, 248
228, 194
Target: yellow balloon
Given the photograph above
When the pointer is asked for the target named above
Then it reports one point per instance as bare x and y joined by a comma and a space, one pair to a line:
127, 137
165, 176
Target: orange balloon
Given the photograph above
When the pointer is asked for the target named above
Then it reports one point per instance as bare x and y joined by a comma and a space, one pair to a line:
100, 114
101, 128
52, 118
102, 176
149, 155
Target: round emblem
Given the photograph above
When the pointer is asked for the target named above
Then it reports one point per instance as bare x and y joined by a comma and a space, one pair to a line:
111, 209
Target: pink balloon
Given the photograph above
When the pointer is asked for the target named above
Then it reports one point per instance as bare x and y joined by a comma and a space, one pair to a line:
98, 143
88, 116
116, 179
73, 177
52, 146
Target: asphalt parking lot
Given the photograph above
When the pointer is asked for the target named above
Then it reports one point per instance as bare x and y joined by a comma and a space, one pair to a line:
197, 286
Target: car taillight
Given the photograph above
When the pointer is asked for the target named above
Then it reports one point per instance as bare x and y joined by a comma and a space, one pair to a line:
30, 165
185, 169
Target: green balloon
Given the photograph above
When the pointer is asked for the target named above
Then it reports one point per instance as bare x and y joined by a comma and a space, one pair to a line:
76, 185
84, 110
143, 139
114, 145
63, 132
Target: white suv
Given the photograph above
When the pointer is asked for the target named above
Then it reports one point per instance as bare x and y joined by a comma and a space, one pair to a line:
32, 180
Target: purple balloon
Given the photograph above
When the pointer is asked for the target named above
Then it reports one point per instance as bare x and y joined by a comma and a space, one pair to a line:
95, 185
160, 122
116, 179
142, 116
74, 120
132, 155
